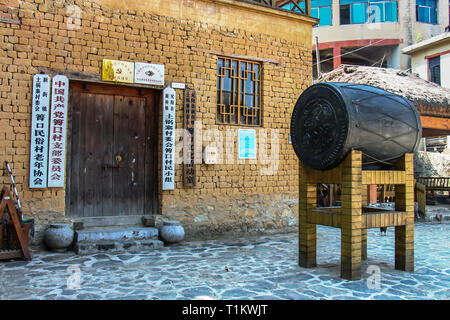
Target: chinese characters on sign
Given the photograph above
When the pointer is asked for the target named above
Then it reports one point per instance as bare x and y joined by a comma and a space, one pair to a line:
147, 73
247, 143
189, 151
168, 142
58, 124
39, 131
117, 71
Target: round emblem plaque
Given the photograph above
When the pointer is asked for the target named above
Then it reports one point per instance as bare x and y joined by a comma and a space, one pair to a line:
319, 127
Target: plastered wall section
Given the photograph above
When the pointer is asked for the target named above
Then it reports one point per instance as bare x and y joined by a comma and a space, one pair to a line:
420, 64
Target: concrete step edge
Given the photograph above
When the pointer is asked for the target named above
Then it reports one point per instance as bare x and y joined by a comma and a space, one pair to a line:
118, 246
111, 221
116, 234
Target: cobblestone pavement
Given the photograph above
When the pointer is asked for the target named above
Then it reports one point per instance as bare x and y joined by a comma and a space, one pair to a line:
260, 268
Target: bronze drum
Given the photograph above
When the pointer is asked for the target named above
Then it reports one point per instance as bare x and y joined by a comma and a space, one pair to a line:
331, 119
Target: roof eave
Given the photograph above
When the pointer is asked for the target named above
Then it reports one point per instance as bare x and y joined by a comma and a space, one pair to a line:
442, 38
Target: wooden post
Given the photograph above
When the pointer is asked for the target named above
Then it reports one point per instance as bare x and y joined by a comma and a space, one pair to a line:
318, 57
421, 197
351, 234
308, 7
307, 232
330, 195
363, 244
404, 201
6, 204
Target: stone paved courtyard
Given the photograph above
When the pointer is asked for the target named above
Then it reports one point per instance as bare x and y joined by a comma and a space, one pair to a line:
262, 267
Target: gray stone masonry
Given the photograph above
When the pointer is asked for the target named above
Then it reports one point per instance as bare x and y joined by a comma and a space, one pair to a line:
248, 268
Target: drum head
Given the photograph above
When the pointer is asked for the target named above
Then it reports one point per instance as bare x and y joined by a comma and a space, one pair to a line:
319, 127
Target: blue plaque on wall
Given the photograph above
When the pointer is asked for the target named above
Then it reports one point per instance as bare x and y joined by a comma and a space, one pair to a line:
247, 143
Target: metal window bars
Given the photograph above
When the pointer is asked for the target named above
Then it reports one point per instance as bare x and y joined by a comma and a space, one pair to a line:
296, 6
239, 92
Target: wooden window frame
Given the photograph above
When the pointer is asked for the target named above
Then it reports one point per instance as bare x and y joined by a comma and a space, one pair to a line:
225, 113
431, 66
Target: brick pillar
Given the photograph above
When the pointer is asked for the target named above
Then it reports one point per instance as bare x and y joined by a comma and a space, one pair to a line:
372, 193
337, 57
306, 231
351, 217
404, 201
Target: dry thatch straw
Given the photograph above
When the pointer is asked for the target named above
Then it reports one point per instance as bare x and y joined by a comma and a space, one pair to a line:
428, 97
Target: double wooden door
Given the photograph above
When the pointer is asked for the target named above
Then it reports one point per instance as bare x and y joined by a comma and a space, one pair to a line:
113, 147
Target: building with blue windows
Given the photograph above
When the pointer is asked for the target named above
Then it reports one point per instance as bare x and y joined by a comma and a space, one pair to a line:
373, 32
427, 11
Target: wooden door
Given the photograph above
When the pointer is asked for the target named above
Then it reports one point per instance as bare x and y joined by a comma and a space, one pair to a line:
113, 139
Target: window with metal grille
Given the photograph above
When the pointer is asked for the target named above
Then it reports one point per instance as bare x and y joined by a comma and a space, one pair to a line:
426, 11
434, 65
238, 92
368, 11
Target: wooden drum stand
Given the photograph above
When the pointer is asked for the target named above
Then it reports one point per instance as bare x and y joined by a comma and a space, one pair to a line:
352, 218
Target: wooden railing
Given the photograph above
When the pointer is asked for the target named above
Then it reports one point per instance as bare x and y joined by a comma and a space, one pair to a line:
426, 185
435, 183
296, 6
387, 193
421, 197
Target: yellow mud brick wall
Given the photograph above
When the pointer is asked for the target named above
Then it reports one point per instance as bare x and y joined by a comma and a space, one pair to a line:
62, 37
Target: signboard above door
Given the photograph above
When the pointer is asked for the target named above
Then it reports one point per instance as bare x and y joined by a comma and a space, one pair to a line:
133, 72
117, 71
147, 73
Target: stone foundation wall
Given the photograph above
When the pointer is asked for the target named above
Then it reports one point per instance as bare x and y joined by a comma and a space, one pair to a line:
222, 215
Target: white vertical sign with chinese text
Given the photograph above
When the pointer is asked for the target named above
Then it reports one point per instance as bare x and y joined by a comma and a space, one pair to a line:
58, 126
168, 134
39, 131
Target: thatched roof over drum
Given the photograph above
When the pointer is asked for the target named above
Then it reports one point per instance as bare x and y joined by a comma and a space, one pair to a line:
429, 98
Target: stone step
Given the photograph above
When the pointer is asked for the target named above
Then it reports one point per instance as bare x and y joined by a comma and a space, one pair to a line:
116, 233
116, 239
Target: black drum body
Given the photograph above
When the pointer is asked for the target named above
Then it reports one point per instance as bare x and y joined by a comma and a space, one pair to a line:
331, 119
